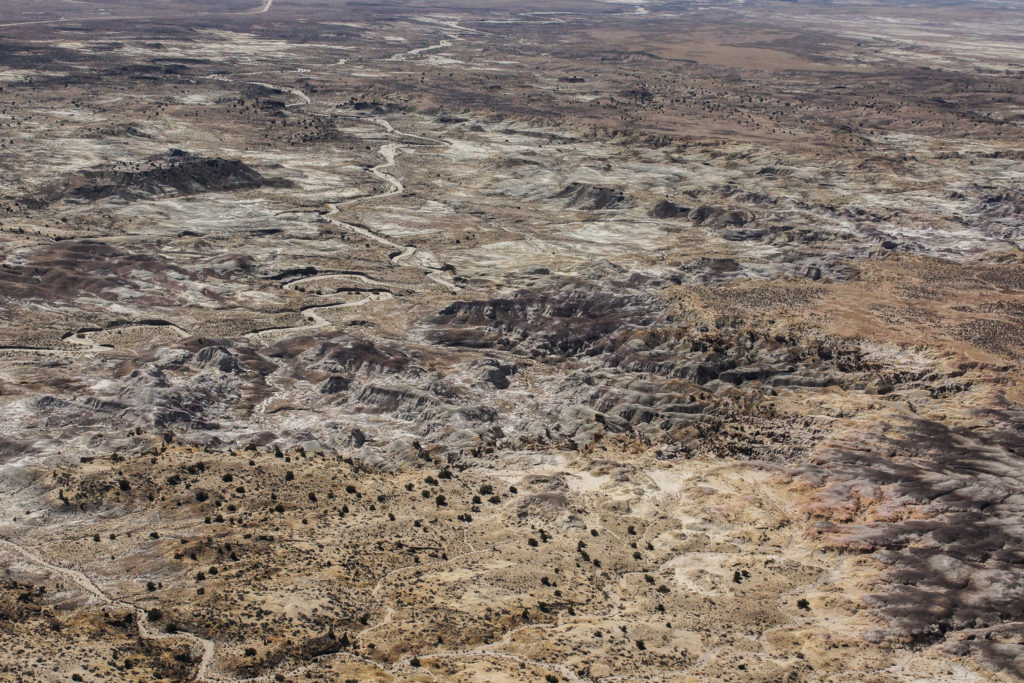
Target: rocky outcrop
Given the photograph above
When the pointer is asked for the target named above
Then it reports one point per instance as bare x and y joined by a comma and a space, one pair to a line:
543, 323
1002, 214
667, 209
958, 562
176, 173
62, 271
716, 217
494, 373
592, 197
340, 355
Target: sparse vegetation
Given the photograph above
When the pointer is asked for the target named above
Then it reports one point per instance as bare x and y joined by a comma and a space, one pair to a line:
293, 293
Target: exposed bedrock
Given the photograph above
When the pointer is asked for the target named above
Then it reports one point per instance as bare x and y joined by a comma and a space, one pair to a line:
941, 507
543, 323
593, 197
667, 209
937, 504
175, 173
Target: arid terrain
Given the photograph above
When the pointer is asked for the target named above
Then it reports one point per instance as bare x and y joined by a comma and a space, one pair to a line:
540, 341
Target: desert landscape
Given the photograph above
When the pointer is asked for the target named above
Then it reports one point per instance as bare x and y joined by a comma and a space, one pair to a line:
575, 340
